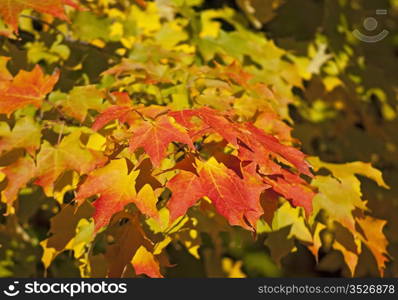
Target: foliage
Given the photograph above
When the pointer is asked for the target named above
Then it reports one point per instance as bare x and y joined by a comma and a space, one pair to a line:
161, 128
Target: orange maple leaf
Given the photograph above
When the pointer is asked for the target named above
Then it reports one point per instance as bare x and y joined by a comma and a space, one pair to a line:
237, 199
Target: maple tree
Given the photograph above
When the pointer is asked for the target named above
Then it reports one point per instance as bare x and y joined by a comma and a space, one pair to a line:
177, 135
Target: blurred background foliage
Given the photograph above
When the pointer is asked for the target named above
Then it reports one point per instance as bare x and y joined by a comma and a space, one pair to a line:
341, 98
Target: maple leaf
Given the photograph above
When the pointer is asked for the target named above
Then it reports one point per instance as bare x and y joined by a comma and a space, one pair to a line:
146, 201
155, 136
68, 155
350, 258
144, 262
4, 73
11, 9
141, 3
115, 186
287, 215
259, 139
73, 4
186, 189
299, 194
244, 159
25, 88
128, 237
26, 134
236, 199
271, 123
81, 99
124, 112
348, 170
338, 199
121, 98
183, 117
18, 175
317, 241
114, 112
